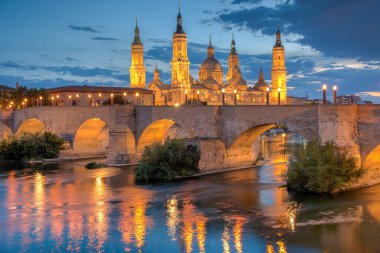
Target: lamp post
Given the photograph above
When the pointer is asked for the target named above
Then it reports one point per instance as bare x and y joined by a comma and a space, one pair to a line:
41, 100
23, 105
125, 98
186, 97
100, 96
58, 102
334, 93
77, 100
26, 102
71, 102
324, 88
137, 98
198, 101
111, 99
52, 101
267, 93
154, 99
223, 96
235, 97
89, 99
165, 100
278, 96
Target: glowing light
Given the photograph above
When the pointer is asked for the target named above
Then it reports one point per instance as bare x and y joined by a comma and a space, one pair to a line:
41, 98
223, 90
267, 89
173, 216
335, 87
235, 91
100, 94
77, 95
176, 104
52, 98
137, 94
111, 95
125, 94
324, 87
186, 92
278, 89
281, 247
70, 97
225, 240
89, 96
198, 92
25, 100
57, 96
238, 230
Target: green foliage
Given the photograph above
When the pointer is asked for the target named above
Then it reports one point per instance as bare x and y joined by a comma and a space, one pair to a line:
18, 96
168, 160
94, 165
31, 146
321, 168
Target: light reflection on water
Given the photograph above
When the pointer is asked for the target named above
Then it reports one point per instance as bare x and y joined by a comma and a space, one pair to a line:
102, 210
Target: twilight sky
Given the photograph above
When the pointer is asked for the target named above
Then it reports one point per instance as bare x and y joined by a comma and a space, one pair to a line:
47, 43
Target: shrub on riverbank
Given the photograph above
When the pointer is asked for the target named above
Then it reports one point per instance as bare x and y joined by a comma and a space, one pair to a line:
321, 168
168, 160
94, 165
31, 146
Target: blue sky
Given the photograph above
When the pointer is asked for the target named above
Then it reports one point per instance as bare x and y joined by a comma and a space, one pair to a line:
47, 43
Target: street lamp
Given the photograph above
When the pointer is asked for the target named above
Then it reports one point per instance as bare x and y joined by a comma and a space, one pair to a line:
235, 97
41, 100
198, 101
52, 100
90, 99
334, 93
223, 96
185, 97
324, 88
77, 99
125, 98
267, 93
71, 102
279, 96
111, 99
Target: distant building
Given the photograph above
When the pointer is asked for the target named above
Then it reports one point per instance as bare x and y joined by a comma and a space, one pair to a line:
98, 95
6, 89
348, 100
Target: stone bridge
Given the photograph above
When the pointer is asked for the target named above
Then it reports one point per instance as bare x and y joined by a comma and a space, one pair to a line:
226, 135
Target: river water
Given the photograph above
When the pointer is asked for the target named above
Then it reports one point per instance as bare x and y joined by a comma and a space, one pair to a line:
72, 209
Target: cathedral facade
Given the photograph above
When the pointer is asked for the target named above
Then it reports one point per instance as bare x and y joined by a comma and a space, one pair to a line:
210, 88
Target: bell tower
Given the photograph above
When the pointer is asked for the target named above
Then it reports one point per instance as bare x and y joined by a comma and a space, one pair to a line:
137, 70
278, 71
233, 61
180, 62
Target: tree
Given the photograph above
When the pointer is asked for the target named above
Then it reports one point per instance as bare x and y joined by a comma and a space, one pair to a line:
168, 160
321, 168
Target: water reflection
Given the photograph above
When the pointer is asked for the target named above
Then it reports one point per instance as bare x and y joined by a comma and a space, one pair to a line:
79, 210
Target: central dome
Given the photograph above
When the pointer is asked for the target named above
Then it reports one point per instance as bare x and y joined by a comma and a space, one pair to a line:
211, 68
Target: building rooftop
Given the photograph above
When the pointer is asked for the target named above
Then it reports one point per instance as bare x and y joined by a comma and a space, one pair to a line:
86, 88
6, 88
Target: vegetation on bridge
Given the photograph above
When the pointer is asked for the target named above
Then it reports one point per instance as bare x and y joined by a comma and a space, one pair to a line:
167, 161
321, 168
31, 146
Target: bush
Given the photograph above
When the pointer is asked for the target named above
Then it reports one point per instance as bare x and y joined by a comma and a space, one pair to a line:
321, 168
168, 160
31, 146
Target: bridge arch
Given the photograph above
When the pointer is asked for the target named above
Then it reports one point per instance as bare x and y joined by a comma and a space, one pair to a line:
242, 151
156, 131
92, 135
32, 126
5, 131
372, 160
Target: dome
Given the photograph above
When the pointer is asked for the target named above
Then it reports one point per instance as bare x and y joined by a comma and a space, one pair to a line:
261, 85
211, 64
211, 68
211, 83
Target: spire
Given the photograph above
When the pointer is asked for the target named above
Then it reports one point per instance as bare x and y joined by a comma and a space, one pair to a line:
179, 29
210, 50
278, 38
156, 74
137, 40
233, 47
261, 74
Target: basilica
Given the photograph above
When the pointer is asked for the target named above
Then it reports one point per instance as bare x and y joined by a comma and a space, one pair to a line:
210, 88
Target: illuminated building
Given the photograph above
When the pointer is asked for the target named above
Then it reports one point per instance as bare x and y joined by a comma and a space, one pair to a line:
137, 70
211, 88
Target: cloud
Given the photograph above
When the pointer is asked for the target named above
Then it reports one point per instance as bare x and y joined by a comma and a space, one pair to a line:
104, 38
334, 28
246, 1
82, 28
